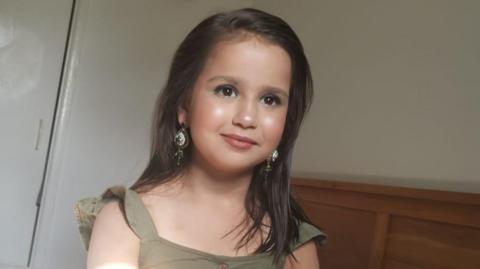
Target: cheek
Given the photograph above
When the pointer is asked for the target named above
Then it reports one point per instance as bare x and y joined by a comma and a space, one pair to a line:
208, 114
273, 126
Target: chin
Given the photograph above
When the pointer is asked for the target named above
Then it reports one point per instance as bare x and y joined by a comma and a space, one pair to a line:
229, 161
233, 167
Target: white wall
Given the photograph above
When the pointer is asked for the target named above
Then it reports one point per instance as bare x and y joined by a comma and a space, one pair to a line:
397, 91
32, 45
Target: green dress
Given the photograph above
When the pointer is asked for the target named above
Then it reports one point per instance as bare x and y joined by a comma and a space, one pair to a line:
159, 253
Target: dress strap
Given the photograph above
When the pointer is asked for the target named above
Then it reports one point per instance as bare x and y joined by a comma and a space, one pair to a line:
135, 212
139, 218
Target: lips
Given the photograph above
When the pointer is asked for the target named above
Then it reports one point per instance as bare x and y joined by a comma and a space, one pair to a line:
239, 142
241, 138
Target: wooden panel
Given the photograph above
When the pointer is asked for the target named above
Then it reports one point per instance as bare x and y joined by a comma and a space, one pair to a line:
379, 241
392, 264
433, 245
376, 227
413, 207
432, 195
350, 232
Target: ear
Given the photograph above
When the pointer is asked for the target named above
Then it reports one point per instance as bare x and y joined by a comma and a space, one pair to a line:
182, 115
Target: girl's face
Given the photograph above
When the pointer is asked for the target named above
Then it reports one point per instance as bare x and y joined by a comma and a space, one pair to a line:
240, 95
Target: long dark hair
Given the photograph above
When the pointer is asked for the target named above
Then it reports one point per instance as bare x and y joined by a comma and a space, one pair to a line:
270, 196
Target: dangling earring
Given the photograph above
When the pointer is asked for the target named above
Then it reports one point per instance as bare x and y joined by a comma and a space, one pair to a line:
271, 159
181, 141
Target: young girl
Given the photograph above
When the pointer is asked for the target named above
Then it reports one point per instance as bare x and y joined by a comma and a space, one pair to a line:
216, 191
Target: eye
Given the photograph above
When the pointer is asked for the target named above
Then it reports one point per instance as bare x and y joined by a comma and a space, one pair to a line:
271, 100
226, 90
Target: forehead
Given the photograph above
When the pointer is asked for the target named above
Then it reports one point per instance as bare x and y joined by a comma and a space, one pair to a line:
253, 61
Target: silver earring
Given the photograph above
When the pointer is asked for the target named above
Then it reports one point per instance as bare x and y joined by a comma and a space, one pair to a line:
181, 141
271, 159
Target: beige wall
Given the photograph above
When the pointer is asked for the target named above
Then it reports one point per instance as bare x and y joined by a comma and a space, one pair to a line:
397, 89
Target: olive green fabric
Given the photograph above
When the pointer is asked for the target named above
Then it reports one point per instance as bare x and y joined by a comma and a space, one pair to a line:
160, 253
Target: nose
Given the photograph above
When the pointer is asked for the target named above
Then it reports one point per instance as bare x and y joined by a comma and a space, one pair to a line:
245, 115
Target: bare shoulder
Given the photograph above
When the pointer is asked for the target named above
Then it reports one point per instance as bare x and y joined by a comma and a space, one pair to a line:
161, 195
113, 244
306, 255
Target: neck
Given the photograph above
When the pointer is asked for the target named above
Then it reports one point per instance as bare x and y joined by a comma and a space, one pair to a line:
210, 186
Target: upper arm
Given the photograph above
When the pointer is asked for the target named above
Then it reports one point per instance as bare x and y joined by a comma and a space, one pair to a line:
113, 244
306, 256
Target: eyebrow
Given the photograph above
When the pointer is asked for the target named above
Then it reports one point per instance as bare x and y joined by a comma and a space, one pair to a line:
237, 82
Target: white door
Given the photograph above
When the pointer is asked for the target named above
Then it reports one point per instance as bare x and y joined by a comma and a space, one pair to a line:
33, 35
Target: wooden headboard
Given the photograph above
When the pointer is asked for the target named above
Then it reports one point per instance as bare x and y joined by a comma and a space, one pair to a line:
373, 226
